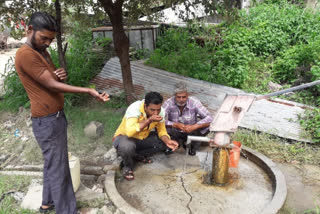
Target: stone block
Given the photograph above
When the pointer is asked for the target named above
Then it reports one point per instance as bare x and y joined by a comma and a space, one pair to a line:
94, 129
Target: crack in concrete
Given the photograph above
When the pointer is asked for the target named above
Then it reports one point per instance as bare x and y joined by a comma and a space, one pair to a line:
185, 189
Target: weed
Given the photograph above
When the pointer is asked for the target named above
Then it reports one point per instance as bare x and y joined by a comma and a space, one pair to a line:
15, 184
79, 116
278, 149
310, 121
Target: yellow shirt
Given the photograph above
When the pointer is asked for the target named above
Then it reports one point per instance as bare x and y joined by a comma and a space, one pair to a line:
134, 115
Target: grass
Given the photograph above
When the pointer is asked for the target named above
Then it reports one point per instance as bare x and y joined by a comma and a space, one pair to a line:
78, 117
13, 183
278, 149
109, 114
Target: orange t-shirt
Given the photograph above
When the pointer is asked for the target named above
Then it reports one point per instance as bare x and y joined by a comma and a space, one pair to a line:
30, 64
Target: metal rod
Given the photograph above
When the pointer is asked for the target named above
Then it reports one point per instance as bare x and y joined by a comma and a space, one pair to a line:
205, 139
288, 90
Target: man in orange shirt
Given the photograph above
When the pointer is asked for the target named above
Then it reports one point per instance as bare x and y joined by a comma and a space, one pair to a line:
44, 86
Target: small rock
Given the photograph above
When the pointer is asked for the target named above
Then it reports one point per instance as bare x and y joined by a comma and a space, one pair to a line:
29, 122
3, 158
101, 179
21, 109
94, 129
8, 124
24, 139
92, 170
18, 196
97, 188
289, 94
295, 162
107, 168
105, 210
274, 86
86, 194
111, 155
88, 211
118, 212
33, 197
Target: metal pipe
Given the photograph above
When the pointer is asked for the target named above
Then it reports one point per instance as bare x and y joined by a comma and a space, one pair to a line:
220, 161
220, 166
206, 139
288, 90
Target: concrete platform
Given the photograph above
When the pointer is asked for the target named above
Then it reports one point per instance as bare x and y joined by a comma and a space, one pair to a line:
176, 184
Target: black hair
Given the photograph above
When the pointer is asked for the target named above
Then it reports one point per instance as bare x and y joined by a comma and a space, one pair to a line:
153, 98
42, 20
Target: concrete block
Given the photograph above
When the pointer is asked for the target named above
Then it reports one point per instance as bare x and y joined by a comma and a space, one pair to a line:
94, 129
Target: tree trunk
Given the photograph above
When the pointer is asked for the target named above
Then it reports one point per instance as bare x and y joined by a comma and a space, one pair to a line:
121, 44
61, 52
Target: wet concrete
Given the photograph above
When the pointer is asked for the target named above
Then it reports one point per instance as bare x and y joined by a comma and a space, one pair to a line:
303, 183
175, 184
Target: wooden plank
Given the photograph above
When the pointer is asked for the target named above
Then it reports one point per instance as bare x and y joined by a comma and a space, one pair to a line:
277, 117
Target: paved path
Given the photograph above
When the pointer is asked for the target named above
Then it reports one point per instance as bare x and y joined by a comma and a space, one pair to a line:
276, 116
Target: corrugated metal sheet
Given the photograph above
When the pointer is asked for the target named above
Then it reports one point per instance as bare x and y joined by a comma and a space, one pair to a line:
277, 117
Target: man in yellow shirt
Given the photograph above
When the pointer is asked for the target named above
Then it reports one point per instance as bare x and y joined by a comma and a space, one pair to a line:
133, 139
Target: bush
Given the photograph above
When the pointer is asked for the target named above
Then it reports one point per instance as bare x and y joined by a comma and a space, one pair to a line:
311, 123
15, 94
82, 63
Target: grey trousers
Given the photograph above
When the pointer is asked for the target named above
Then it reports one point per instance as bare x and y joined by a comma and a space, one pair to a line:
51, 134
128, 147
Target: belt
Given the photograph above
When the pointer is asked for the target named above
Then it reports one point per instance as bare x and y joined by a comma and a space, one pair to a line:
56, 114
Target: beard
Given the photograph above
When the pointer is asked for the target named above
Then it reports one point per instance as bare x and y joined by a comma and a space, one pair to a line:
182, 104
40, 48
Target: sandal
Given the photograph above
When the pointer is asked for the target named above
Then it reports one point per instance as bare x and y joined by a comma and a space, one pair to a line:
142, 159
128, 174
45, 210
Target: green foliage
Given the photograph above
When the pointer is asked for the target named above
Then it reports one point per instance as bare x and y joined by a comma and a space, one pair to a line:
103, 42
82, 63
300, 62
311, 123
275, 41
81, 115
278, 149
15, 184
278, 39
15, 94
140, 54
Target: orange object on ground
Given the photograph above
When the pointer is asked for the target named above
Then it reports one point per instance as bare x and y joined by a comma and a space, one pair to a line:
234, 155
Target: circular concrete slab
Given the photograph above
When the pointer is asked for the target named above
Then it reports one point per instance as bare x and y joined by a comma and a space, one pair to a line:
175, 184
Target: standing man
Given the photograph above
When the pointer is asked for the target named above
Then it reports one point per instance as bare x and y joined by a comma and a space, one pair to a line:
133, 139
44, 86
182, 114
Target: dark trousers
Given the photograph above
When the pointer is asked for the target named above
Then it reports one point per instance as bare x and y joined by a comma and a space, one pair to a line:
51, 135
128, 147
181, 137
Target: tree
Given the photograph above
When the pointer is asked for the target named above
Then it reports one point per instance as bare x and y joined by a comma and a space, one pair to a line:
134, 9
13, 12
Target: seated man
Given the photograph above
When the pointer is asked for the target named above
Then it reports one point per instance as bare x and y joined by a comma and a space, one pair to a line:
133, 140
182, 114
